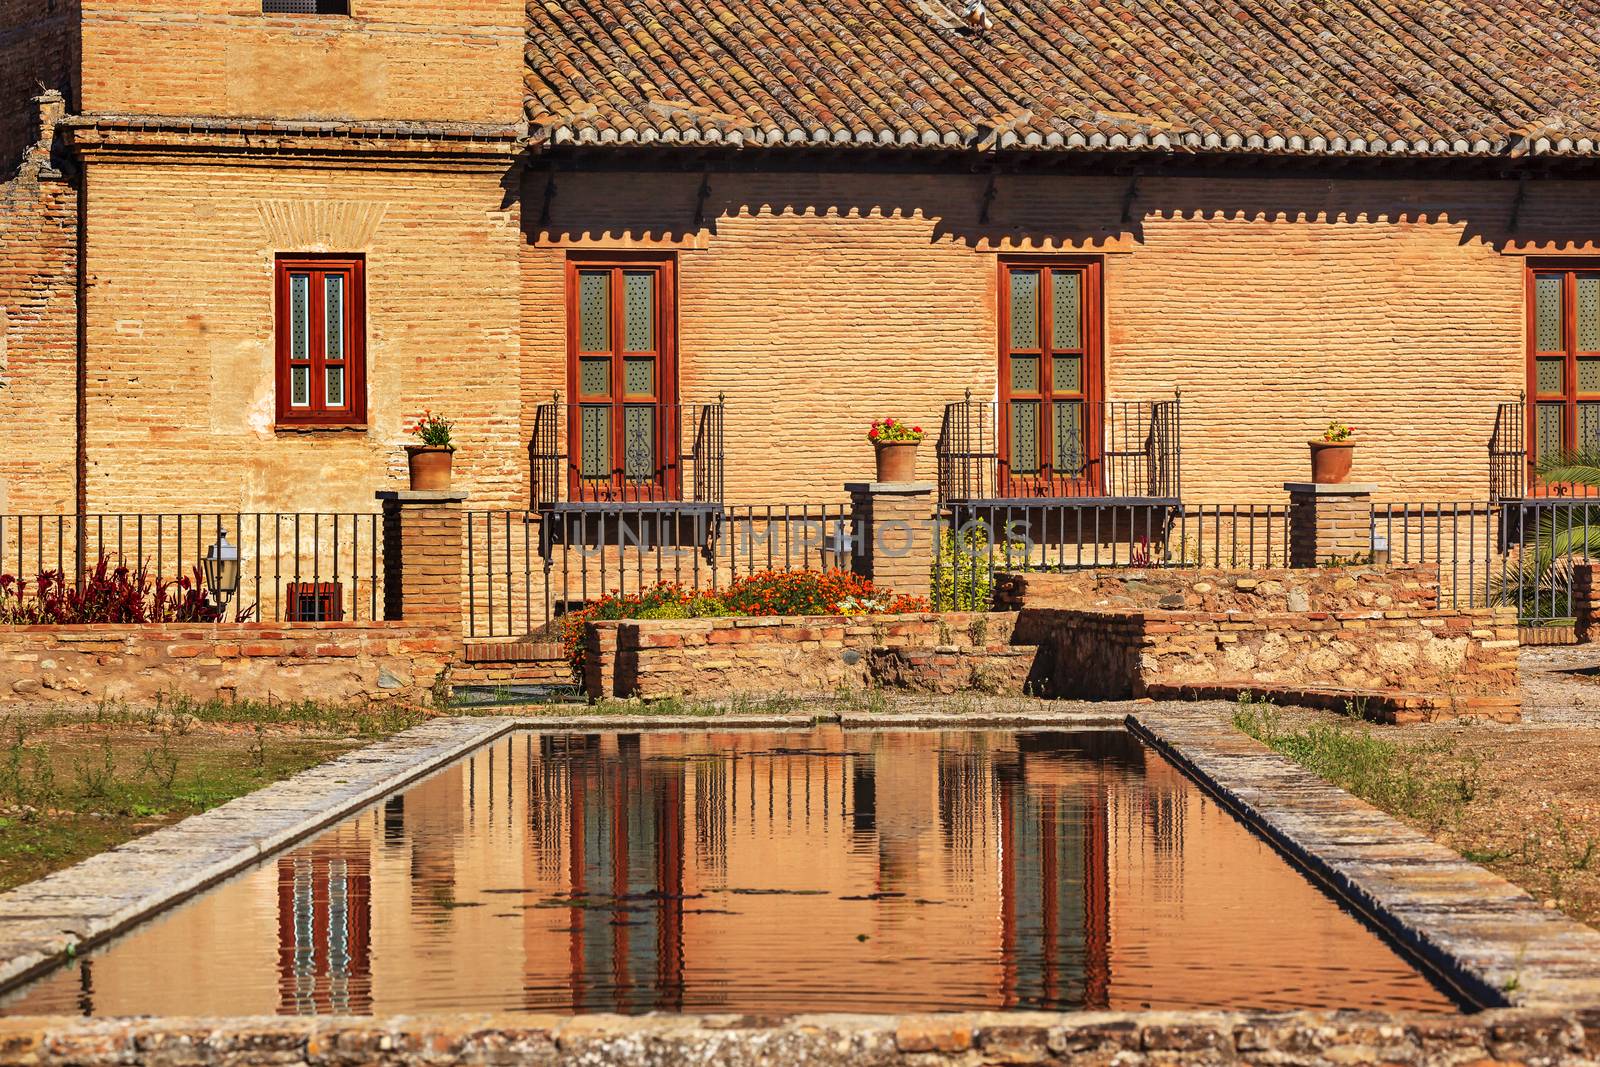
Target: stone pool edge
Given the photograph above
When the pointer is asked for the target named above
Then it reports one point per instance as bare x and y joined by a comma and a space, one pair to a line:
967, 1039
1485, 935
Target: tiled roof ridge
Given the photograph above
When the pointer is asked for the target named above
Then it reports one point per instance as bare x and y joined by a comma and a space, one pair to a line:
1355, 77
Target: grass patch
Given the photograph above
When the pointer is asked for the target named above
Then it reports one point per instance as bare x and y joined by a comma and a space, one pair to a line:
74, 785
1429, 781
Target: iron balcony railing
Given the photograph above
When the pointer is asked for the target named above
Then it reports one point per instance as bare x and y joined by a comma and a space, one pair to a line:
603, 454
1114, 449
1513, 473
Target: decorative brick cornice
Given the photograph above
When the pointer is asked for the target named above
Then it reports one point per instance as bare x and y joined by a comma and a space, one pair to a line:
210, 138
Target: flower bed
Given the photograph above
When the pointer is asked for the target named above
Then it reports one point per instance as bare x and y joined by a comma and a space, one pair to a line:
765, 594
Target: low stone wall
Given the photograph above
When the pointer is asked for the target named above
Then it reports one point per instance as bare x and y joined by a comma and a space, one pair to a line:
937, 653
1212, 590
326, 661
1311, 1039
511, 663
1402, 665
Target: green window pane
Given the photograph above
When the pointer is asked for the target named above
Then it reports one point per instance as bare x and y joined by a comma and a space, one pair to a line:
639, 377
299, 316
300, 386
1548, 299
639, 310
1068, 452
1588, 426
1066, 309
1589, 376
594, 441
1024, 436
1068, 371
594, 377
1024, 308
1547, 431
1551, 377
1589, 314
594, 311
333, 306
639, 442
335, 387
1025, 374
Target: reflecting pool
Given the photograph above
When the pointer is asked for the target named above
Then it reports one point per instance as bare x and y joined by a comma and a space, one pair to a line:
821, 870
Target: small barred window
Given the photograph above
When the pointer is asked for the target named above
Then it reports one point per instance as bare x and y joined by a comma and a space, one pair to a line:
305, 7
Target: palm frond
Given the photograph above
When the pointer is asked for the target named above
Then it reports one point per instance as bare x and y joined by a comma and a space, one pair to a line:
1578, 467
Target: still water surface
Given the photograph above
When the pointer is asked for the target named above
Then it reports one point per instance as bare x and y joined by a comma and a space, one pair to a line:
762, 872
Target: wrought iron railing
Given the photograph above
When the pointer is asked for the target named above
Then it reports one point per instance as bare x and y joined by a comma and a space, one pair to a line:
664, 453
293, 566
1513, 473
526, 568
1120, 449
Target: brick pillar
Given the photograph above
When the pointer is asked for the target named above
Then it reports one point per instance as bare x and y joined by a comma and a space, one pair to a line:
893, 534
422, 572
1586, 602
1327, 521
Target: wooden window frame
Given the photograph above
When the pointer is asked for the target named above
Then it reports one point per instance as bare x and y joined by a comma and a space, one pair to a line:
1570, 396
353, 412
1046, 483
668, 483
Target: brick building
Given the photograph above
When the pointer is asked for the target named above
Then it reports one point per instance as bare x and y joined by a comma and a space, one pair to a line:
253, 238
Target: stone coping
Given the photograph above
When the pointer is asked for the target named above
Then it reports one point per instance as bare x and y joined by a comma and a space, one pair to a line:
1489, 938
1481, 932
968, 1039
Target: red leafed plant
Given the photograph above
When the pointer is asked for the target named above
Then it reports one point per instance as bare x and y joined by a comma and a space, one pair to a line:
107, 594
765, 593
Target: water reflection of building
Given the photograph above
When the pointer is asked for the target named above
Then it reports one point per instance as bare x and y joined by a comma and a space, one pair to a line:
325, 927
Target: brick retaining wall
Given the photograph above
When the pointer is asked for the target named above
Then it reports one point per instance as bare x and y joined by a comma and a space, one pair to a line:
941, 653
511, 663
324, 661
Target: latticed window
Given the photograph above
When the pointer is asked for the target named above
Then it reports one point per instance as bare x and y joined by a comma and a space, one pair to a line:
621, 378
313, 602
1564, 359
1049, 374
321, 366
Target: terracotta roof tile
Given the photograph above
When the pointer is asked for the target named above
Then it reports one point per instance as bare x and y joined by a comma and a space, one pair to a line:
1507, 77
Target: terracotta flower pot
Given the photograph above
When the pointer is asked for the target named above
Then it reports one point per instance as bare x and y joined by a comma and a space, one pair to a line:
1330, 461
430, 467
897, 462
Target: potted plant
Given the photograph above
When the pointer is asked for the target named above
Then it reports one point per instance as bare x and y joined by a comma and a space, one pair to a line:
430, 461
896, 443
1331, 456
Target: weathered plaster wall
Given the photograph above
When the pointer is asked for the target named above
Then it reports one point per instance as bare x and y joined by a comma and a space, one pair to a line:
390, 59
820, 301
38, 49
38, 330
180, 332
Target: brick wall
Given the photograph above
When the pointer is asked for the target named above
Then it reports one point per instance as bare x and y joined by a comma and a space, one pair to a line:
180, 333
719, 658
307, 661
1411, 585
1276, 304
38, 328
395, 59
511, 663
38, 48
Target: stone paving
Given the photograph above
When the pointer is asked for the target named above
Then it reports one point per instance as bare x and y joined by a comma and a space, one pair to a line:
1486, 935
